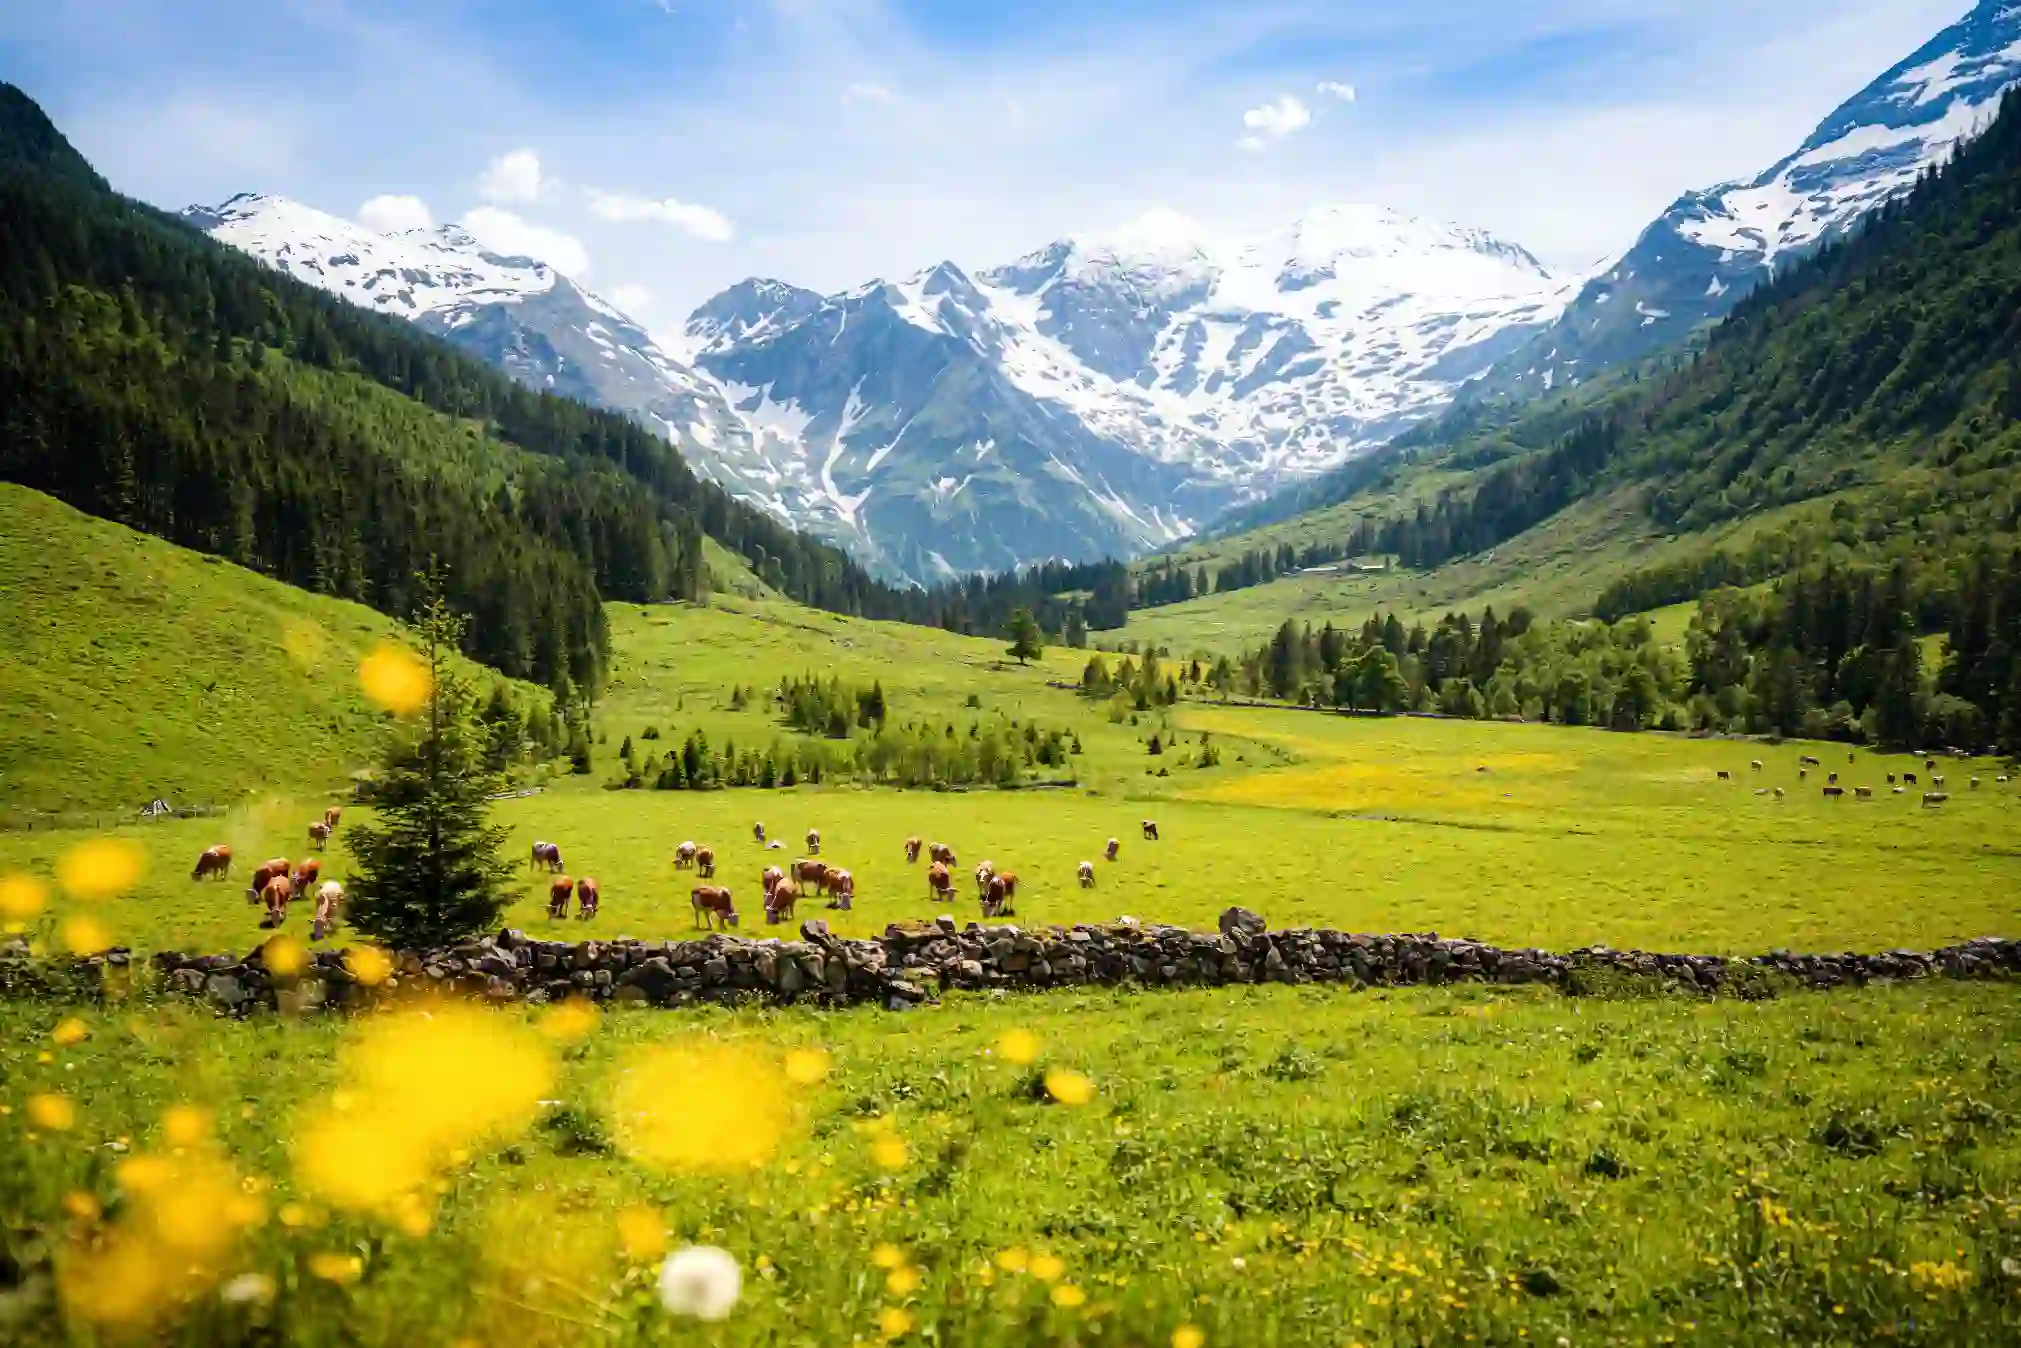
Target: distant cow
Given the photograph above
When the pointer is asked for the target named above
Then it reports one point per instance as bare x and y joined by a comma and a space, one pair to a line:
1863, 793
559, 892
1908, 779
1930, 764
1934, 797
940, 852
1891, 779
304, 875
912, 846
1724, 775
1834, 792
809, 874
319, 835
586, 896
813, 842
1087, 875
215, 862
1778, 793
275, 894
684, 856
939, 883
1111, 850
842, 885
2002, 779
268, 870
1975, 783
758, 832
545, 854
770, 879
1755, 764
1937, 781
331, 816
713, 906
1803, 774
997, 899
1807, 761
1832, 777
779, 902
329, 909
1151, 829
705, 862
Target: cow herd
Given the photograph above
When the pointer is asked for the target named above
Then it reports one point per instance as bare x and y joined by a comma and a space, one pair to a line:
1898, 783
278, 882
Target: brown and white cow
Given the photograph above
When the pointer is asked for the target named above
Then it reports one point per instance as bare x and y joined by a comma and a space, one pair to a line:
1113, 848
319, 835
1934, 797
705, 862
940, 852
329, 910
809, 874
813, 842
984, 873
331, 816
268, 870
713, 906
771, 879
216, 861
684, 856
779, 901
1834, 792
939, 883
305, 875
275, 894
758, 833
912, 846
1087, 875
1151, 829
559, 891
545, 854
586, 896
841, 886
1000, 898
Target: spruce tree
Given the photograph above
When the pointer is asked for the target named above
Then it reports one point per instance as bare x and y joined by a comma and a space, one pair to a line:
429, 870
1027, 642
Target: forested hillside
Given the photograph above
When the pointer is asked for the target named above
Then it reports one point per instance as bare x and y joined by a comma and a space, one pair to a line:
153, 377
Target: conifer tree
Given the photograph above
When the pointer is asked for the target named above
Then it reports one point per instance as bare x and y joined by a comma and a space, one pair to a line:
1027, 642
429, 871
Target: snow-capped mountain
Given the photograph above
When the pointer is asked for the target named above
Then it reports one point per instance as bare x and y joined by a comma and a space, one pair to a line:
513, 312
1108, 393
1697, 260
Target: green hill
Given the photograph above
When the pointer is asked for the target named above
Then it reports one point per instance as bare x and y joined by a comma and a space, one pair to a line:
132, 669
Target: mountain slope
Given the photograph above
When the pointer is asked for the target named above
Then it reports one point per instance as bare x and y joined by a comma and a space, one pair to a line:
1710, 248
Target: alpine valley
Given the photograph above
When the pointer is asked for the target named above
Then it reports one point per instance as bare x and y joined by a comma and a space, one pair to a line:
1116, 392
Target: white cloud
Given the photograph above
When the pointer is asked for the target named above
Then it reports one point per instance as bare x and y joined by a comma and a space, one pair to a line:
1274, 121
514, 176
504, 232
630, 298
865, 92
389, 213
704, 222
1335, 89
1250, 143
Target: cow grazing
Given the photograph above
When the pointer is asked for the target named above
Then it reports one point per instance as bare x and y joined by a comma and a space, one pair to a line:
545, 854
1151, 829
586, 896
1754, 763
1908, 779
983, 874
705, 862
304, 875
559, 892
940, 852
1806, 761
713, 907
1937, 780
939, 883
684, 856
319, 835
1725, 776
329, 908
779, 903
842, 885
275, 894
2002, 779
1930, 764
331, 816
1778, 793
268, 870
1111, 850
912, 846
1834, 792
1087, 875
809, 874
1934, 798
771, 880
1863, 793
758, 833
997, 899
813, 842
215, 862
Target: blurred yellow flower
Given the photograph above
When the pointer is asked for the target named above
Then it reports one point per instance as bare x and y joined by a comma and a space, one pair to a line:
1014, 1260
889, 1152
186, 1125
570, 1021
806, 1066
1186, 1336
1068, 1295
52, 1113
100, 868
337, 1268
86, 936
902, 1281
395, 678
701, 1105
1048, 1267
21, 897
71, 1031
642, 1233
81, 1205
894, 1322
369, 964
887, 1255
284, 956
294, 1215
1069, 1087
1018, 1046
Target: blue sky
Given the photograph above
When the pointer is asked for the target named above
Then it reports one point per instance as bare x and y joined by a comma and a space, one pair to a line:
670, 147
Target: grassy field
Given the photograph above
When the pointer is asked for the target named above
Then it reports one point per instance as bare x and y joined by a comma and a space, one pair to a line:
134, 669
1262, 1166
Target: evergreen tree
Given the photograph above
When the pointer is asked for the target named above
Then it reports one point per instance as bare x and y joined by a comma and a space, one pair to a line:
429, 871
1026, 640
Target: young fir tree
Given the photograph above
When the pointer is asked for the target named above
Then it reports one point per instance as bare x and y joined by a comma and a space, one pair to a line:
1027, 642
429, 871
